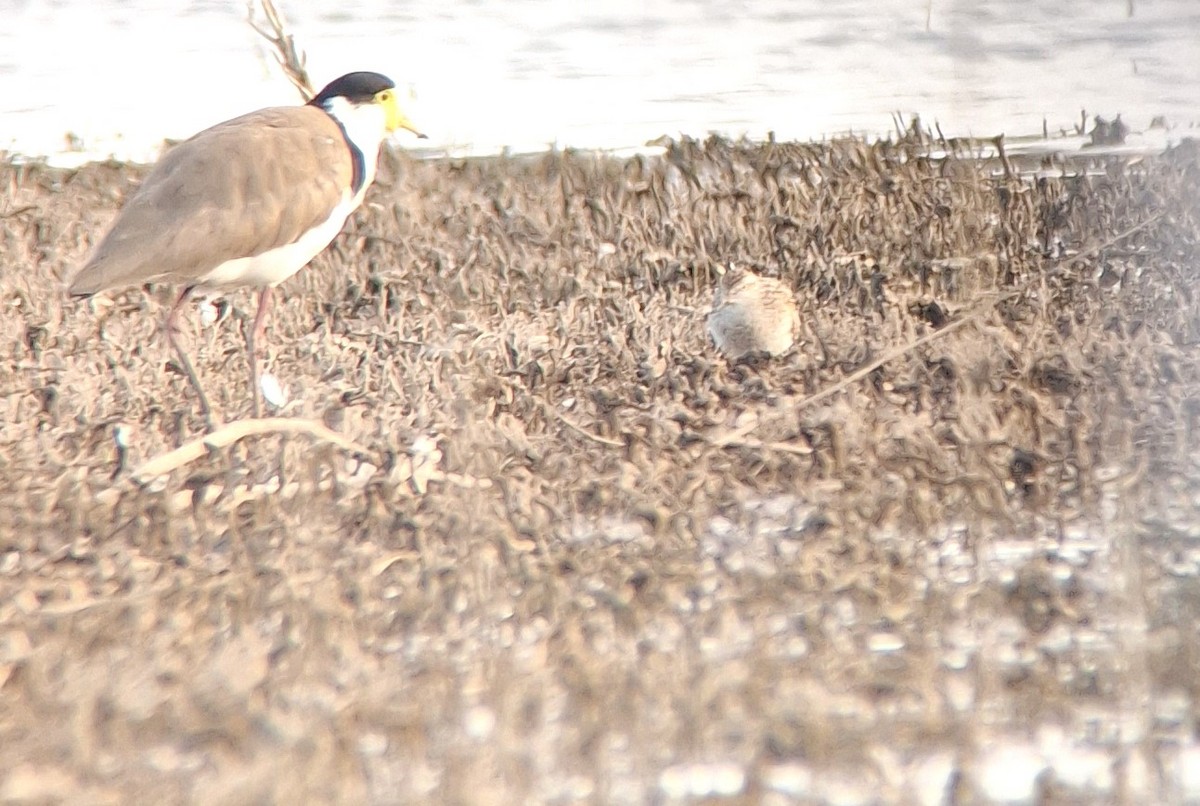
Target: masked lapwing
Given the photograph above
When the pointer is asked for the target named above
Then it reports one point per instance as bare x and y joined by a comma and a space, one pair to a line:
248, 202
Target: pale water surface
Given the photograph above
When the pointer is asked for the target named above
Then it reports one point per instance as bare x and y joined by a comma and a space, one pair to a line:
525, 74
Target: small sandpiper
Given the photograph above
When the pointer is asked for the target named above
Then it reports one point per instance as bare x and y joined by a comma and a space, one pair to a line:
753, 314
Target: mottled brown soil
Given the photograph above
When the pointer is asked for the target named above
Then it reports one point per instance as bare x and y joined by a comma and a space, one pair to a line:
948, 547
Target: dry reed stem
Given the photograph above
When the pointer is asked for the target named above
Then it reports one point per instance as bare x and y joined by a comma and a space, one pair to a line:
233, 432
578, 429
293, 62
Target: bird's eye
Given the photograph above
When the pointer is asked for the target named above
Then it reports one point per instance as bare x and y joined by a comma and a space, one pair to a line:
386, 95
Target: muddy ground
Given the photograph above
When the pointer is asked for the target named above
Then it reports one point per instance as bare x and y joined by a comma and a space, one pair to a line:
946, 550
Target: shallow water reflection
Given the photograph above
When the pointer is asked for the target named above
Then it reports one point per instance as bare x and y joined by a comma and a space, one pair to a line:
1036, 679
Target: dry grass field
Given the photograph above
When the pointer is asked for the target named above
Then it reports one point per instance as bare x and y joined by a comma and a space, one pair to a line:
557, 549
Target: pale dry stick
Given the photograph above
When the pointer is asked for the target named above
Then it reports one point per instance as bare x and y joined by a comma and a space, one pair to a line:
779, 447
20, 211
737, 438
578, 429
73, 608
294, 64
233, 432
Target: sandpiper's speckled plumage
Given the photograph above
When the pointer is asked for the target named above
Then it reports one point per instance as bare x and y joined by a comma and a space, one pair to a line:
753, 314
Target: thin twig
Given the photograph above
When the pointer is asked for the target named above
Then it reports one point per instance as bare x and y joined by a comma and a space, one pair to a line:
758, 444
233, 432
294, 64
1113, 241
737, 437
578, 429
19, 211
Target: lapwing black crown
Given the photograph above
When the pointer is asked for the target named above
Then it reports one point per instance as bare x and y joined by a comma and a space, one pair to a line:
358, 88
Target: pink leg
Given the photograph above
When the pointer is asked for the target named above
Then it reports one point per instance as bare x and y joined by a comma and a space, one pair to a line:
254, 339
184, 361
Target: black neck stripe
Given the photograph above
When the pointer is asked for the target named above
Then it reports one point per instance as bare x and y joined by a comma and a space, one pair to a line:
358, 164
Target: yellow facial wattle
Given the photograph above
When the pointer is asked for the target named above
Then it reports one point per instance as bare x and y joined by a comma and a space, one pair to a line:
395, 118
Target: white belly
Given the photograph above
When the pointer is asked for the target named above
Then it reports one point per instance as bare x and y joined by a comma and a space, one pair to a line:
276, 265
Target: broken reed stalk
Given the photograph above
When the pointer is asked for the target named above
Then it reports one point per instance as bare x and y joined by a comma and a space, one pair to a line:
233, 432
293, 63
